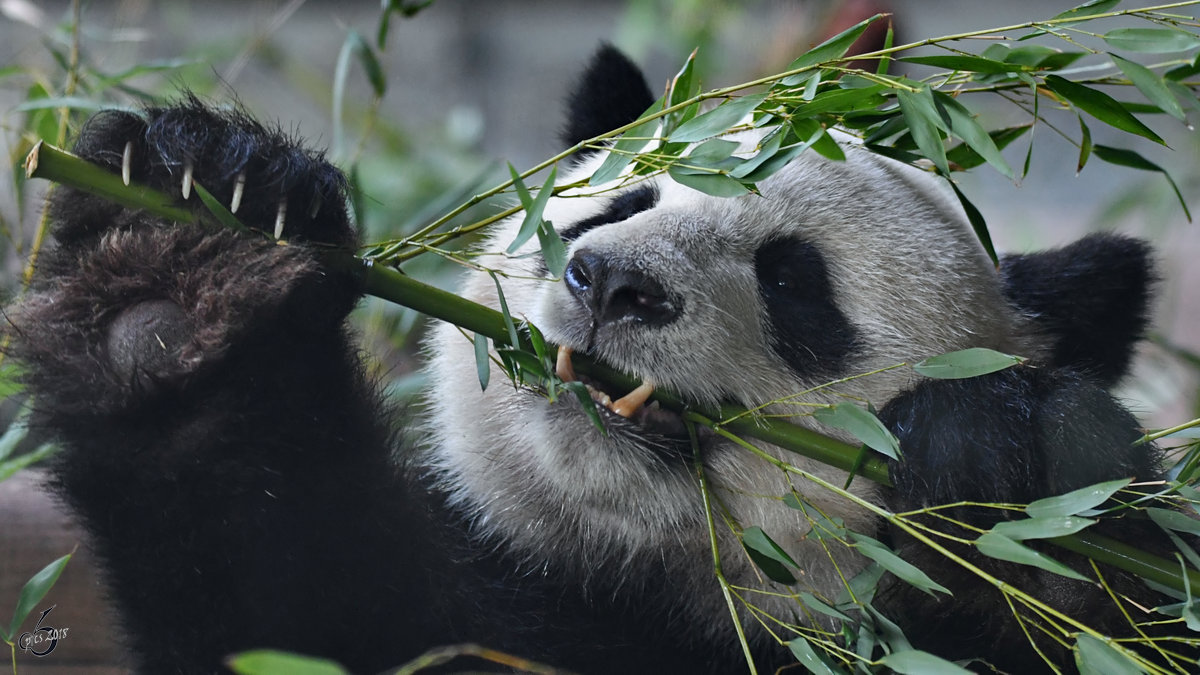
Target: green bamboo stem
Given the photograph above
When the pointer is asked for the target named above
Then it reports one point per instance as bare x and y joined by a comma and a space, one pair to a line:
54, 164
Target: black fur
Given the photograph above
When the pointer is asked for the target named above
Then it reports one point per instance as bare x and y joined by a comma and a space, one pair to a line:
808, 330
611, 94
622, 207
1092, 297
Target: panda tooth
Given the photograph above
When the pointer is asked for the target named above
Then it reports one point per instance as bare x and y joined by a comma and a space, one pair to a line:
187, 181
127, 163
599, 396
280, 216
562, 365
238, 187
629, 404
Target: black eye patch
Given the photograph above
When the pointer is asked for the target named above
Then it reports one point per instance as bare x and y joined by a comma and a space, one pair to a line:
622, 207
808, 330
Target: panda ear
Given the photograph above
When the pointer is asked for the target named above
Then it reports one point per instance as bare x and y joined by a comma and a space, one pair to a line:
1091, 299
611, 93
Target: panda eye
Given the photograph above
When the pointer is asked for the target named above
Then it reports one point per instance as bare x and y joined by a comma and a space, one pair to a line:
806, 326
622, 207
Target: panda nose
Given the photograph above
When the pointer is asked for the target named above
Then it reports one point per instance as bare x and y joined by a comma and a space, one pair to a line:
614, 292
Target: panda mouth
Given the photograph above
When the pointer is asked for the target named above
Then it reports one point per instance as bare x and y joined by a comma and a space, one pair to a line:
632, 407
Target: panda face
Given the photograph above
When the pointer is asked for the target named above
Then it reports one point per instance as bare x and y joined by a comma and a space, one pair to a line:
834, 270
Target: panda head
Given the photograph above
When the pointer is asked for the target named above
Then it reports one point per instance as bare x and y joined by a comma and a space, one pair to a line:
835, 270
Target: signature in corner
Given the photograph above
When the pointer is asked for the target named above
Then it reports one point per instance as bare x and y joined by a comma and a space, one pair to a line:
42, 639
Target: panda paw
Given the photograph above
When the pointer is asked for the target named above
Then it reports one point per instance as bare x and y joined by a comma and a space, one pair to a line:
268, 180
129, 306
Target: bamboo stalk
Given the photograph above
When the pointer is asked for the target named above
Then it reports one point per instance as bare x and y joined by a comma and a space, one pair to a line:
56, 165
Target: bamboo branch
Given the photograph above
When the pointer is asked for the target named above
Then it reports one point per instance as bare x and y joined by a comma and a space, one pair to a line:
56, 165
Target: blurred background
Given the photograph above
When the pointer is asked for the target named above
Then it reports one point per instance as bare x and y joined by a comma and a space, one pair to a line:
471, 85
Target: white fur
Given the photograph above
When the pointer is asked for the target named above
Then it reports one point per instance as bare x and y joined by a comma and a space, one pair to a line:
906, 270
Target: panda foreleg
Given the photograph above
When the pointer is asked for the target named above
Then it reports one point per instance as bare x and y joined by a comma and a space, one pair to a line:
1008, 438
220, 442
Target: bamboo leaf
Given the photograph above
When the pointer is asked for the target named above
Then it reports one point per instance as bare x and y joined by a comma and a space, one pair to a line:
533, 207
72, 102
1041, 528
829, 50
825, 145
370, 63
862, 425
898, 566
966, 363
513, 339
1085, 144
1151, 40
925, 125
585, 401
1039, 57
483, 364
1132, 160
685, 85
1087, 9
1174, 520
1151, 86
978, 224
769, 556
817, 605
626, 147
11, 466
716, 121
768, 148
1001, 547
554, 251
973, 64
32, 593
218, 210
712, 153
843, 100
809, 658
270, 662
916, 662
1101, 106
1096, 657
1076, 501
715, 184
964, 125
964, 158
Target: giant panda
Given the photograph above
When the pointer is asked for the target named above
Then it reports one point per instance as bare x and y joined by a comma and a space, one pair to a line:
244, 484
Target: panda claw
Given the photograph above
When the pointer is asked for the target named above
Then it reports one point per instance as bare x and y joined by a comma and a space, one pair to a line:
629, 404
316, 206
280, 217
187, 181
239, 186
127, 163
563, 367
